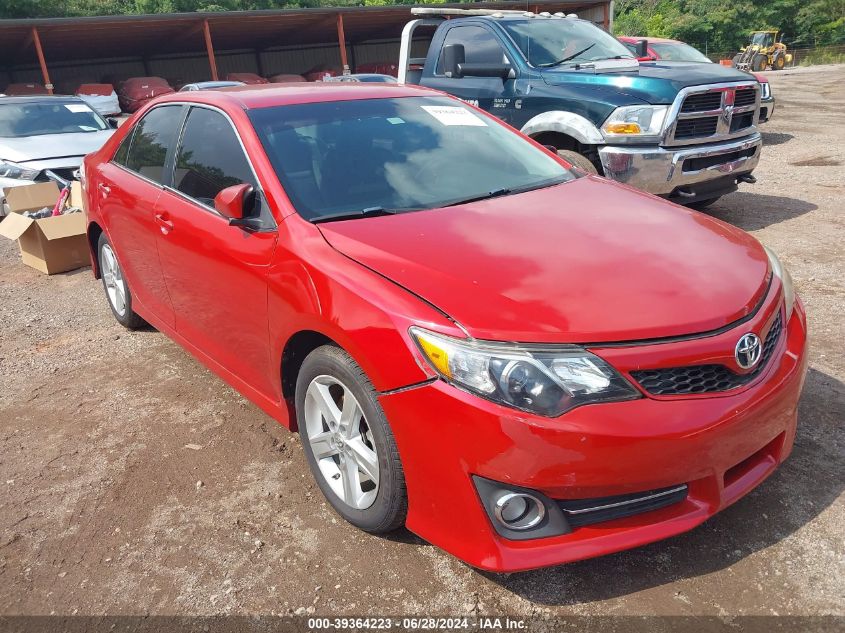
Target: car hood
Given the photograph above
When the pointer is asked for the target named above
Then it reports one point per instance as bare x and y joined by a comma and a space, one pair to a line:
585, 261
52, 146
652, 82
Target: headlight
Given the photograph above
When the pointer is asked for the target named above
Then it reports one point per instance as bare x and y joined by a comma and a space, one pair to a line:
13, 170
765, 90
548, 381
782, 273
635, 123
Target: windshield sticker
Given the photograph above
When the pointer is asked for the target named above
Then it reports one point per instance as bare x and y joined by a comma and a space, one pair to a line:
395, 120
454, 115
77, 107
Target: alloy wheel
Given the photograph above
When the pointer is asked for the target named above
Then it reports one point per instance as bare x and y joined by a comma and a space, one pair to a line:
341, 442
113, 279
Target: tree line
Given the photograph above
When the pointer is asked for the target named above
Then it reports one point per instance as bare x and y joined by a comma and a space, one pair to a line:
723, 26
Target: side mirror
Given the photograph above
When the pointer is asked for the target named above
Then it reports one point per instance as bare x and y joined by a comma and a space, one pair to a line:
453, 56
502, 71
642, 48
232, 202
113, 122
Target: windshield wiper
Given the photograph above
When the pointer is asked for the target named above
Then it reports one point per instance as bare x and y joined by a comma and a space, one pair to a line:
568, 58
496, 193
369, 212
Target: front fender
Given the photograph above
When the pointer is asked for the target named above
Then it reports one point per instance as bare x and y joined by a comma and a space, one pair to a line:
569, 123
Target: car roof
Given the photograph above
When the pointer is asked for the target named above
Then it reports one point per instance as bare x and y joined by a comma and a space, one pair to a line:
269, 95
37, 98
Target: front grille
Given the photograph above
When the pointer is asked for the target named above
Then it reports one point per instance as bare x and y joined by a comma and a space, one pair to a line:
745, 97
693, 128
703, 114
695, 379
696, 164
742, 121
702, 102
581, 512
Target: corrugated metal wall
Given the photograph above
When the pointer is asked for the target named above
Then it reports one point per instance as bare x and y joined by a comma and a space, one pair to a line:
187, 68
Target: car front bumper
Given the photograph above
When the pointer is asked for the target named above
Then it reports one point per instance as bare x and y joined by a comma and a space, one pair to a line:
720, 446
685, 173
6, 184
767, 109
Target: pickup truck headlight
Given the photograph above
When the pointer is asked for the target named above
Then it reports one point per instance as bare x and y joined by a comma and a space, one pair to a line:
548, 382
15, 171
765, 90
635, 123
780, 271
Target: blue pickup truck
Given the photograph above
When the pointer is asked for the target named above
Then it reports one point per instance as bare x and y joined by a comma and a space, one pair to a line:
687, 132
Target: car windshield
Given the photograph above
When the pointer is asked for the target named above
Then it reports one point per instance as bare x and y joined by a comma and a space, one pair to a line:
392, 155
677, 52
39, 118
549, 42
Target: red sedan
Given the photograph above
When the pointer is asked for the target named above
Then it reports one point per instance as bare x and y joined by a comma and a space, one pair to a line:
522, 364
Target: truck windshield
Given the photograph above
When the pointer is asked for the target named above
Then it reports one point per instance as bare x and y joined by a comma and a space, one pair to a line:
48, 117
549, 42
392, 155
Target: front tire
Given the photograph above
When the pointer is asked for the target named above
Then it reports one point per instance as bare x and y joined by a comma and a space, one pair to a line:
579, 161
116, 287
700, 205
348, 442
760, 62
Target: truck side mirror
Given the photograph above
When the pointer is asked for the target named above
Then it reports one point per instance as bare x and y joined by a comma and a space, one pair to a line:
502, 71
642, 48
453, 57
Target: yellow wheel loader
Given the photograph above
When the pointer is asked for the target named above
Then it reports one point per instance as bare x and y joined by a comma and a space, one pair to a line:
764, 50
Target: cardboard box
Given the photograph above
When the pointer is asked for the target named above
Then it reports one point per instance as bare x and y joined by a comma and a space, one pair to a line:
51, 245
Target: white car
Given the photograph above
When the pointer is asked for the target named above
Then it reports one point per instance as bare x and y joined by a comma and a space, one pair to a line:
40, 133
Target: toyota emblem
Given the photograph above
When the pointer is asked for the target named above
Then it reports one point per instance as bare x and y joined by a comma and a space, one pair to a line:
748, 351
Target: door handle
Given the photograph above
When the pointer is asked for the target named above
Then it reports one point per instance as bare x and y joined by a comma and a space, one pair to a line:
163, 223
105, 190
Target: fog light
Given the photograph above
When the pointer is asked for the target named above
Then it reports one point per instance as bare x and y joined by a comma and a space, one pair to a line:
519, 511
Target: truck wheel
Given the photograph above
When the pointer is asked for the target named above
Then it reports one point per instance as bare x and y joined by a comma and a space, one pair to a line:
778, 63
737, 59
698, 205
348, 442
116, 287
760, 62
578, 160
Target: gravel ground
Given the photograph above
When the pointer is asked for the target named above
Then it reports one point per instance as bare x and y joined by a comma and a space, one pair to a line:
136, 482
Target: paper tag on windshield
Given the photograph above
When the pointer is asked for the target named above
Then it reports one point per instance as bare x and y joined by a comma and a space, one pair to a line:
454, 115
77, 107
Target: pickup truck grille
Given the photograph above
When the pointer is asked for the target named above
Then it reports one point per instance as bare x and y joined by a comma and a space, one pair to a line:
714, 113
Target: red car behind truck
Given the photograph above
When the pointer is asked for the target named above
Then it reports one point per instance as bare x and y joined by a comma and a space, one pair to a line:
522, 364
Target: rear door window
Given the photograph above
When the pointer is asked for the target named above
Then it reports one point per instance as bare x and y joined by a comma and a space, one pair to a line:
152, 140
210, 157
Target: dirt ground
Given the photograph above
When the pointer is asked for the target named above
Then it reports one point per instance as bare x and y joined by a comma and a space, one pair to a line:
136, 482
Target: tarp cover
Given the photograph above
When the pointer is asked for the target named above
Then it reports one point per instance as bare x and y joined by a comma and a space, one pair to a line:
135, 92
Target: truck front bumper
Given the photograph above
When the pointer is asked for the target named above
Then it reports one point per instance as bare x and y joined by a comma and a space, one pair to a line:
684, 174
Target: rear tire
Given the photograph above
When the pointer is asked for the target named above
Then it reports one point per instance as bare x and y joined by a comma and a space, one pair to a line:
579, 161
116, 287
759, 63
348, 442
778, 63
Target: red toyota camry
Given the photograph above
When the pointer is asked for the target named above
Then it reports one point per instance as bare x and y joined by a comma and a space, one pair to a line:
522, 364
